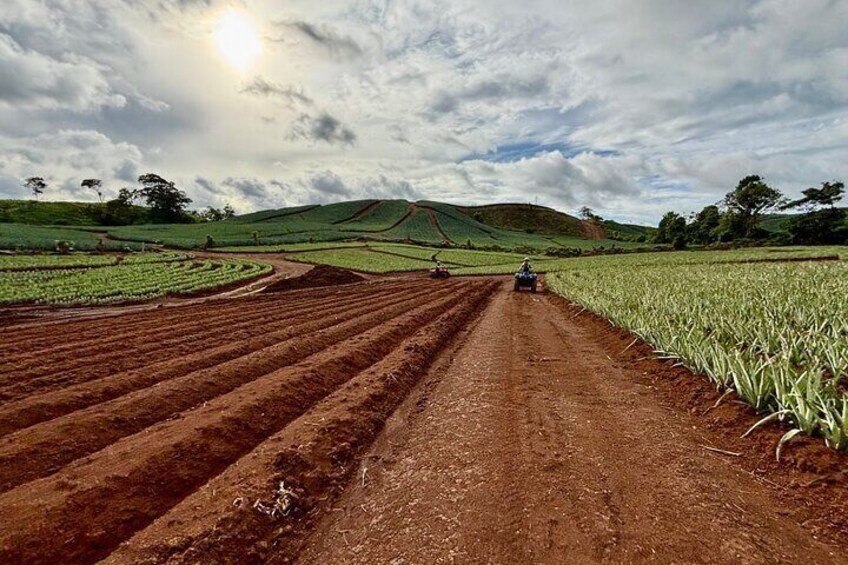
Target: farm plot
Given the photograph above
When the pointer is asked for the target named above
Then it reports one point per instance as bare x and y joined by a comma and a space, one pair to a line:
627, 260
204, 399
143, 277
363, 260
775, 333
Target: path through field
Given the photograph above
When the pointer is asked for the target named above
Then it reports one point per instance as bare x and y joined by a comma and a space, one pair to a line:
394, 421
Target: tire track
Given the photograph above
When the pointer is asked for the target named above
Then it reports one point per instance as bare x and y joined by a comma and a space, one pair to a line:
82, 513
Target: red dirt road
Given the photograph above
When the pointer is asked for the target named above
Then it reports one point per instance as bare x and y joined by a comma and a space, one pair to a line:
388, 422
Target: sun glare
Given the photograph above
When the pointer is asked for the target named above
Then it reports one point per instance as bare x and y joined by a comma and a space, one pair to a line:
237, 39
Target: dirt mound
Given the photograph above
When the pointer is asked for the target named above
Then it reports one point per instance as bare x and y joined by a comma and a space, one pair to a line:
322, 275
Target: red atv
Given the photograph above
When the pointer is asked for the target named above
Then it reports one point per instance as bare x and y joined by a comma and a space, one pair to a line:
439, 272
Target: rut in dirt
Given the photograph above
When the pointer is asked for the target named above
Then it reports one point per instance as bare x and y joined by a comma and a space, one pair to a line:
183, 427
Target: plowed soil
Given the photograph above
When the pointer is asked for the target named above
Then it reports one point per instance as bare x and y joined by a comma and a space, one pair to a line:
392, 421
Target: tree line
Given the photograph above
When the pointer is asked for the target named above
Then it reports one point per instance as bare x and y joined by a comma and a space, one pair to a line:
737, 218
156, 200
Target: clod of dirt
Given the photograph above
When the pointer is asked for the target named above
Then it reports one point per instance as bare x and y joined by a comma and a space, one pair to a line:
321, 275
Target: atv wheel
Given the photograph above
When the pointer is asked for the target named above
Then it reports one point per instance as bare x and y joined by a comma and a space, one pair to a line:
533, 288
516, 286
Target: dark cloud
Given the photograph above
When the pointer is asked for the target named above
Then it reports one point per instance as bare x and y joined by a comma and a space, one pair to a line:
260, 86
208, 185
252, 188
323, 128
329, 183
498, 89
339, 45
126, 171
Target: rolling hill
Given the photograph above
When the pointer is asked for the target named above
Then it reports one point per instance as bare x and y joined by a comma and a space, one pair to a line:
499, 227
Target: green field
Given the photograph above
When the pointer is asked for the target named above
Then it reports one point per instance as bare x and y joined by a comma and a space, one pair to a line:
82, 260
774, 332
627, 260
389, 257
44, 238
143, 278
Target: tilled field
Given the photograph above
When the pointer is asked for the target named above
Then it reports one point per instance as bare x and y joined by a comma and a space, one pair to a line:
183, 435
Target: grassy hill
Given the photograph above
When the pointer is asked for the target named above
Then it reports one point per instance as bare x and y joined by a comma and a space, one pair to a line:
424, 222
527, 218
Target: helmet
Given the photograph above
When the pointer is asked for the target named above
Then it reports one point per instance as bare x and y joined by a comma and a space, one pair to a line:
527, 258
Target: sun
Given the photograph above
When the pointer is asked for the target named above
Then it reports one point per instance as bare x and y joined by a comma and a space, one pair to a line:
237, 39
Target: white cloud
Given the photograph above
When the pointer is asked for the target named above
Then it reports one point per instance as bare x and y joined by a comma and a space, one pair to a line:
630, 106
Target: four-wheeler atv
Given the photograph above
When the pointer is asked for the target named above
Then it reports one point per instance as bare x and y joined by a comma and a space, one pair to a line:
525, 280
440, 272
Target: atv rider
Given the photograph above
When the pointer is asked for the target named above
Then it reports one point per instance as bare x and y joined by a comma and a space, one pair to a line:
526, 268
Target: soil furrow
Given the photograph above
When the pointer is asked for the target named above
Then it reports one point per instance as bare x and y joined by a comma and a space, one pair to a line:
28, 340
208, 528
94, 365
44, 448
55, 403
83, 512
152, 337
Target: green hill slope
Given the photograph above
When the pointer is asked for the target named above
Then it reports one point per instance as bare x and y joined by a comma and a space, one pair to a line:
54, 213
425, 222
526, 218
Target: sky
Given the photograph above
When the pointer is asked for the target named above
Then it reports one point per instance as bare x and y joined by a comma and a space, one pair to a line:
630, 107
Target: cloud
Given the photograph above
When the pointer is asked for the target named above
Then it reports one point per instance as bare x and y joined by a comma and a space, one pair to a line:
69, 156
328, 183
260, 86
633, 108
323, 35
325, 128
29, 79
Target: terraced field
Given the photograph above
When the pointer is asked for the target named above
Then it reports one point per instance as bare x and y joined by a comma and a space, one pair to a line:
166, 432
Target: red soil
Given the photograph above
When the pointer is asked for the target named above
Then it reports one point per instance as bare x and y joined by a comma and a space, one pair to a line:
391, 421
321, 275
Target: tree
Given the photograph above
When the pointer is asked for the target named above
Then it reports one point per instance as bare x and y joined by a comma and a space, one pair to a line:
36, 185
229, 212
167, 203
828, 195
211, 214
746, 204
588, 214
823, 223
95, 185
672, 229
704, 226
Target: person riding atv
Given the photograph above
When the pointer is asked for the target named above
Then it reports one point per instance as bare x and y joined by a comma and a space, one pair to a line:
526, 276
439, 271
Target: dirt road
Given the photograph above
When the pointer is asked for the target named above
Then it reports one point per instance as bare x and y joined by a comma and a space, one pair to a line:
537, 447
392, 421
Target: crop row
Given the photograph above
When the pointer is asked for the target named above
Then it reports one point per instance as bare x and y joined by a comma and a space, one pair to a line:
125, 282
45, 238
775, 333
80, 260
363, 260
627, 260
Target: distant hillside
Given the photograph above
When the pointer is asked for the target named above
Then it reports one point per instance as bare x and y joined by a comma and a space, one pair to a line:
425, 222
527, 218
624, 231
55, 213
517, 227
